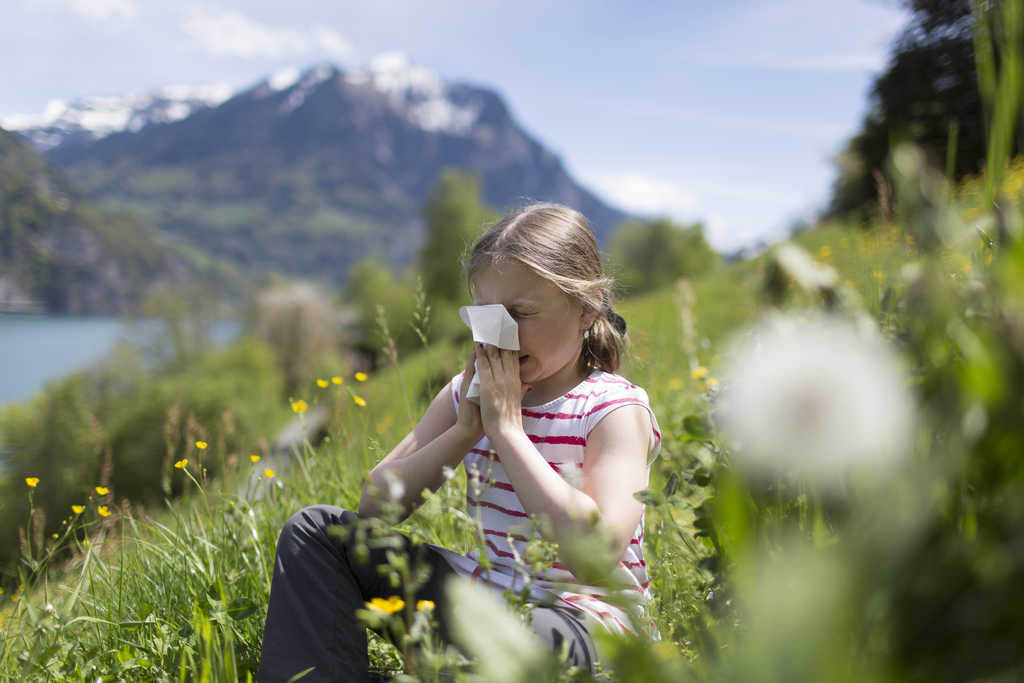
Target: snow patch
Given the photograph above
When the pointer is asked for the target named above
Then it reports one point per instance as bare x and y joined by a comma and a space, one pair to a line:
100, 116
284, 79
419, 92
310, 81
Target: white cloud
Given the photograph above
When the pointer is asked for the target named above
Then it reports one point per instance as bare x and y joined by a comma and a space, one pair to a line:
97, 10
645, 195
735, 214
226, 32
332, 42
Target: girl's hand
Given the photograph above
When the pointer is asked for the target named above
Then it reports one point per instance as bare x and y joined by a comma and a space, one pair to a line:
501, 391
469, 422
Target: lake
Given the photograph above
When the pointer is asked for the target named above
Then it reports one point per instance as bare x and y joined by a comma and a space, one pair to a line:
34, 349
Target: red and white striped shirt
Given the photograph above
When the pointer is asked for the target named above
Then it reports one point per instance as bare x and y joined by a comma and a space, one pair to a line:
559, 429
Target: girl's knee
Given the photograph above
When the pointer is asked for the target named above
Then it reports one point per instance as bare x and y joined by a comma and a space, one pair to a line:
314, 521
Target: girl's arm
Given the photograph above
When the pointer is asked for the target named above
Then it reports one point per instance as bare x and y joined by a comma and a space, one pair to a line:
593, 524
442, 438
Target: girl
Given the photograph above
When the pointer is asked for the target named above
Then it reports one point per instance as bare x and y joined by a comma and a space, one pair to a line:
556, 437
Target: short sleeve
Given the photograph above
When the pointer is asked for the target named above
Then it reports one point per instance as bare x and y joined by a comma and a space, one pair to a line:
457, 389
626, 395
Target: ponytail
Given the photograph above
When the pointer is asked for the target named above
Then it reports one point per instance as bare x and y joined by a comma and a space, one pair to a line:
604, 342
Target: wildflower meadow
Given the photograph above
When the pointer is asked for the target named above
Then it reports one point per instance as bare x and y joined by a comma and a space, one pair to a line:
839, 496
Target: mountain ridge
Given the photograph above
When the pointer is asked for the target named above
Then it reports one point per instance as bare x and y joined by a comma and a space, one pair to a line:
305, 173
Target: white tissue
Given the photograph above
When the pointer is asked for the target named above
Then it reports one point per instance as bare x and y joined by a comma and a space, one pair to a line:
492, 325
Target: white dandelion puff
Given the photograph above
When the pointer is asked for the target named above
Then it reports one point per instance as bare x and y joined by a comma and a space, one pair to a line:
817, 400
396, 488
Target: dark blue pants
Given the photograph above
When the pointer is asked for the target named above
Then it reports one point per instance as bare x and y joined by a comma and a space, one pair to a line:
319, 584
317, 587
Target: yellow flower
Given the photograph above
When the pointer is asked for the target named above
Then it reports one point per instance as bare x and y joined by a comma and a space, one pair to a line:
254, 458
388, 606
201, 445
322, 383
381, 428
825, 251
337, 380
675, 384
104, 512
78, 509
181, 464
269, 472
712, 381
102, 490
32, 481
360, 401
299, 406
361, 376
699, 373
424, 605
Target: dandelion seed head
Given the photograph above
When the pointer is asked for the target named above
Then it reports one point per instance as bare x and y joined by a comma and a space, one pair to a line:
396, 489
816, 400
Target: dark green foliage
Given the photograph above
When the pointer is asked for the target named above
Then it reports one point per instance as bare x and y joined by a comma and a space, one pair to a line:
929, 86
651, 254
62, 254
454, 214
372, 284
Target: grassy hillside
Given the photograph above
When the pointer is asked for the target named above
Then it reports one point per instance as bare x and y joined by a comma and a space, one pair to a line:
180, 593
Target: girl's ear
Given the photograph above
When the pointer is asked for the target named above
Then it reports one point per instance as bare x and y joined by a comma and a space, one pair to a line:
589, 317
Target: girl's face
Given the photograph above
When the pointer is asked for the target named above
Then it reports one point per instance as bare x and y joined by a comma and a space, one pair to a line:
551, 327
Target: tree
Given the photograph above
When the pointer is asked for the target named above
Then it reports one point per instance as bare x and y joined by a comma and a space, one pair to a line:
929, 88
454, 214
372, 284
651, 254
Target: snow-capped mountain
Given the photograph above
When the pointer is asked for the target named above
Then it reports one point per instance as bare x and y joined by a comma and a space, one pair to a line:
305, 172
93, 118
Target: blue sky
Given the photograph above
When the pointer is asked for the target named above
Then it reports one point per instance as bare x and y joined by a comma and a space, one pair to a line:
728, 113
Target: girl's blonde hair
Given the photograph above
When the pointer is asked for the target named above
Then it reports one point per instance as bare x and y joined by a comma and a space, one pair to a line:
557, 244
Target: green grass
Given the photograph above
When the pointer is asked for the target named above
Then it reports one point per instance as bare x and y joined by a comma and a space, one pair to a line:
180, 593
